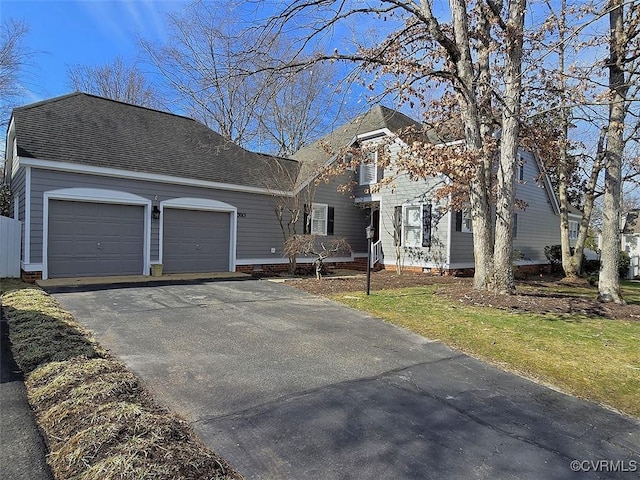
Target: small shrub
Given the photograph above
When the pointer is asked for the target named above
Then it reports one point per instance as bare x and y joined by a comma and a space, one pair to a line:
624, 264
591, 267
554, 255
6, 200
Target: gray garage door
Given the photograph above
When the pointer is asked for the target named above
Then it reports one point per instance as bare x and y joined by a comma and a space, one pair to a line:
195, 241
95, 239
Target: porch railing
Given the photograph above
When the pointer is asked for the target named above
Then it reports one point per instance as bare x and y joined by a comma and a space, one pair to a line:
376, 252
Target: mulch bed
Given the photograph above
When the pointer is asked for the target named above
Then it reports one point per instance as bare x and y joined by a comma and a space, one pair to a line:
533, 295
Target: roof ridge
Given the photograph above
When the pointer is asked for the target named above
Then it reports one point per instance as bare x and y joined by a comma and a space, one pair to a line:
39, 103
99, 97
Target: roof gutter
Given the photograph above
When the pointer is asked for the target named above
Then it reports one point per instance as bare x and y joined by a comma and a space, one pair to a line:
149, 177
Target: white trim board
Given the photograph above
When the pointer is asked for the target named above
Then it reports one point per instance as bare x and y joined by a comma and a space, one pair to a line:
31, 267
148, 177
96, 195
281, 260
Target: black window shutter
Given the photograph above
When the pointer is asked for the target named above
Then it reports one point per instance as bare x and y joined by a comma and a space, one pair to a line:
426, 225
397, 226
458, 220
306, 228
330, 220
515, 225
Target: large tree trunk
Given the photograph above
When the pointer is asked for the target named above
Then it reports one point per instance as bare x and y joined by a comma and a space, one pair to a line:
502, 279
478, 190
609, 282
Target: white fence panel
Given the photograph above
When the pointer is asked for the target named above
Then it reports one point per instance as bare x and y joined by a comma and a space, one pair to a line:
10, 233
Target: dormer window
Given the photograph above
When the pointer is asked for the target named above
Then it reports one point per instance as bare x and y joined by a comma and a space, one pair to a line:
369, 169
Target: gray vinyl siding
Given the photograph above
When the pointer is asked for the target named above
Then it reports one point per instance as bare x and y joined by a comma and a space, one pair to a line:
258, 230
18, 189
538, 225
350, 221
405, 193
461, 246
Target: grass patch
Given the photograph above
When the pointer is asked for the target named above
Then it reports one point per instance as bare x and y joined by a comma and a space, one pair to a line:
98, 420
593, 358
10, 284
42, 332
631, 291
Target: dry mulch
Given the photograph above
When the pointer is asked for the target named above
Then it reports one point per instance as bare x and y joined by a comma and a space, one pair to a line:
532, 296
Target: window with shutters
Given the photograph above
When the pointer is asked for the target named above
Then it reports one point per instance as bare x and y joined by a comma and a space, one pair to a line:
416, 225
369, 169
318, 219
319, 216
467, 222
412, 226
464, 223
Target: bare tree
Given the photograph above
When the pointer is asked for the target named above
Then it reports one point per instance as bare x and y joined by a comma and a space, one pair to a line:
222, 80
558, 91
297, 111
14, 56
116, 80
426, 52
202, 62
319, 247
290, 196
622, 65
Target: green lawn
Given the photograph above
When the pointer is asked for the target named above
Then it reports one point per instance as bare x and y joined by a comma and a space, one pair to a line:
593, 358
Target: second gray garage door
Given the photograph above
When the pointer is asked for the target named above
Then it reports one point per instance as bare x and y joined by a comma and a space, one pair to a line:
195, 241
95, 239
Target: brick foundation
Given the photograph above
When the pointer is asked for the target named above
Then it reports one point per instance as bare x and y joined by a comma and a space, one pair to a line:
521, 271
244, 268
525, 271
30, 277
359, 264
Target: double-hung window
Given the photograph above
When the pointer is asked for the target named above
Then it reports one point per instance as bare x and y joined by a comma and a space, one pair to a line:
319, 217
467, 221
369, 168
464, 221
412, 226
573, 230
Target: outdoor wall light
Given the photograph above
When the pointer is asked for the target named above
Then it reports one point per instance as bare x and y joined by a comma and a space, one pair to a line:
155, 213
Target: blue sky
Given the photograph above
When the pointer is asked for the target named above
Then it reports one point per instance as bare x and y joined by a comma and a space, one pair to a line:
93, 32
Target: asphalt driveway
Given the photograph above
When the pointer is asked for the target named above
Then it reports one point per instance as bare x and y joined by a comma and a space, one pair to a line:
285, 385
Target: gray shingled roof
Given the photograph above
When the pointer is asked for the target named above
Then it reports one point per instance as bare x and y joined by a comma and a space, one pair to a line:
378, 117
90, 130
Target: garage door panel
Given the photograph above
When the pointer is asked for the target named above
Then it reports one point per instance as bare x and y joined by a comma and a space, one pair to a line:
196, 241
95, 239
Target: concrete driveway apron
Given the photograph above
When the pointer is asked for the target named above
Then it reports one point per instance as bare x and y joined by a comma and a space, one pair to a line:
285, 385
